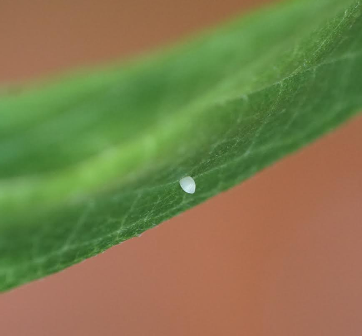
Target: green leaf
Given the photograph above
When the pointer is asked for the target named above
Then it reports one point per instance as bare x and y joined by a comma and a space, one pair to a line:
95, 158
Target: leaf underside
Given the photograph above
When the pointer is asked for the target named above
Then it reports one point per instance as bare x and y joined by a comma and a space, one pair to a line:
95, 158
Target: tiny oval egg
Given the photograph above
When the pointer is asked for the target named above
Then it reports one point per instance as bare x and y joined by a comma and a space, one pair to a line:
188, 184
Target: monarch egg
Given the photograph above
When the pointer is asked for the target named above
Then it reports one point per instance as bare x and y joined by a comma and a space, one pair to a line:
188, 184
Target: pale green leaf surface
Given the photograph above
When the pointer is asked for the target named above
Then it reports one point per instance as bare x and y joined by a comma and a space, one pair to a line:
93, 159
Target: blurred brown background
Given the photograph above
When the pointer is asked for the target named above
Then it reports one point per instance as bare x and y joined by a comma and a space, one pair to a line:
278, 255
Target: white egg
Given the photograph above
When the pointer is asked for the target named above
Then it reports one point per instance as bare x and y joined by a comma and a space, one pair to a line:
188, 184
